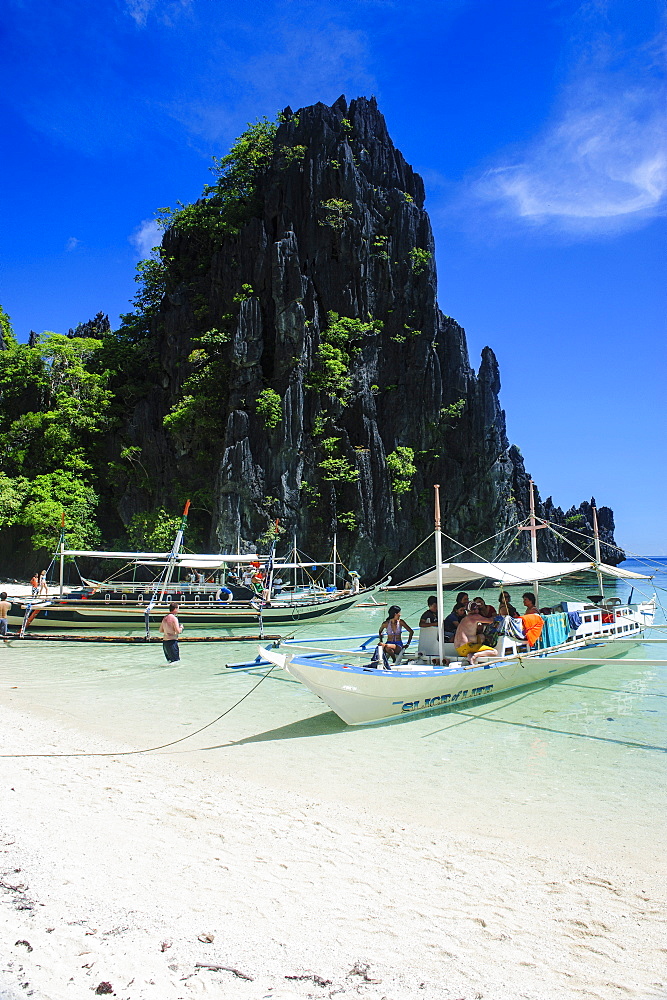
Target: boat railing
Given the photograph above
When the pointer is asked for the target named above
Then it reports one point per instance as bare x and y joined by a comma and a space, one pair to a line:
598, 621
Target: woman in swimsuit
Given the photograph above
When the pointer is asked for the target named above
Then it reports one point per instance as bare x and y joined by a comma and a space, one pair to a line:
394, 626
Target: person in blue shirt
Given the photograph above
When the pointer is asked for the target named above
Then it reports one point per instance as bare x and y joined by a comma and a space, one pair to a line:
451, 622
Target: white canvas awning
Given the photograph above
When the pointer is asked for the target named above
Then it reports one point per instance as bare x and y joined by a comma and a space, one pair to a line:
202, 562
211, 562
622, 574
189, 560
130, 556
510, 573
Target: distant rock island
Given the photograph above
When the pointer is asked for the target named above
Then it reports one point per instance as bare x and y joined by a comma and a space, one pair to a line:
286, 360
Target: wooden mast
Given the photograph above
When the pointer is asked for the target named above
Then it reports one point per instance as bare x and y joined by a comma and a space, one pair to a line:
533, 539
438, 565
62, 553
598, 557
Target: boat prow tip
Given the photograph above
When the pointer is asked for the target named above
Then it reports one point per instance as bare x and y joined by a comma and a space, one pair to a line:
273, 656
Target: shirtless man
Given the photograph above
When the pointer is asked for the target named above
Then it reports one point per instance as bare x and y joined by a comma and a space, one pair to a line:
466, 640
4, 611
171, 628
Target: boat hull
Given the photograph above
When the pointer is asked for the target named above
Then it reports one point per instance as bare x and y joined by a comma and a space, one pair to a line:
364, 694
83, 615
360, 696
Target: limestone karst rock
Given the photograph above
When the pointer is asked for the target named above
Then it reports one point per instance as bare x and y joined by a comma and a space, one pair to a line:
321, 423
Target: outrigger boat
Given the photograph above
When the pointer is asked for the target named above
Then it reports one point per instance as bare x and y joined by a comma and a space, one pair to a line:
296, 579
575, 636
137, 606
130, 612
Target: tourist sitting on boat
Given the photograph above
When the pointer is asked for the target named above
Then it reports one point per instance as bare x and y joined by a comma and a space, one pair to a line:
247, 577
529, 603
451, 622
461, 598
394, 626
430, 616
487, 610
505, 606
223, 593
469, 637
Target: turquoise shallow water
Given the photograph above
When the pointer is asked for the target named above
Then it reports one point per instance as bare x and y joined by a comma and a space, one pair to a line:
578, 764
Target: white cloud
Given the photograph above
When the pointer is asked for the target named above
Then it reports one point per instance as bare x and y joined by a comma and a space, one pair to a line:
303, 64
146, 236
166, 12
600, 165
72, 243
325, 60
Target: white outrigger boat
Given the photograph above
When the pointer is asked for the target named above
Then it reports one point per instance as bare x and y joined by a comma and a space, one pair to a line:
577, 636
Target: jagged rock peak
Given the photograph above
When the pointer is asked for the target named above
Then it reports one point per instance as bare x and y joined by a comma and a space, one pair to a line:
335, 392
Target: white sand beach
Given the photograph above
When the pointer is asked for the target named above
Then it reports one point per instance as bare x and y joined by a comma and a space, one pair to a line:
161, 875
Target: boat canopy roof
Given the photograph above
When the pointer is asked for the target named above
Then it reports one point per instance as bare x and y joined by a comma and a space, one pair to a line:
201, 562
189, 560
208, 560
511, 573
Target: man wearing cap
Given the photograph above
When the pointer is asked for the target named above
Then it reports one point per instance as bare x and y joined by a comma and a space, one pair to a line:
466, 640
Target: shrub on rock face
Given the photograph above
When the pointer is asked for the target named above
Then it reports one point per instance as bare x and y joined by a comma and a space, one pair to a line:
269, 407
402, 469
338, 470
419, 260
336, 212
341, 339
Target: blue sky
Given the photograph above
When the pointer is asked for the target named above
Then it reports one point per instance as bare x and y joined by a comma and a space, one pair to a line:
537, 126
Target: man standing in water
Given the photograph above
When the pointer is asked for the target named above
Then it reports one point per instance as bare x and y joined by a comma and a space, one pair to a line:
171, 628
4, 611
